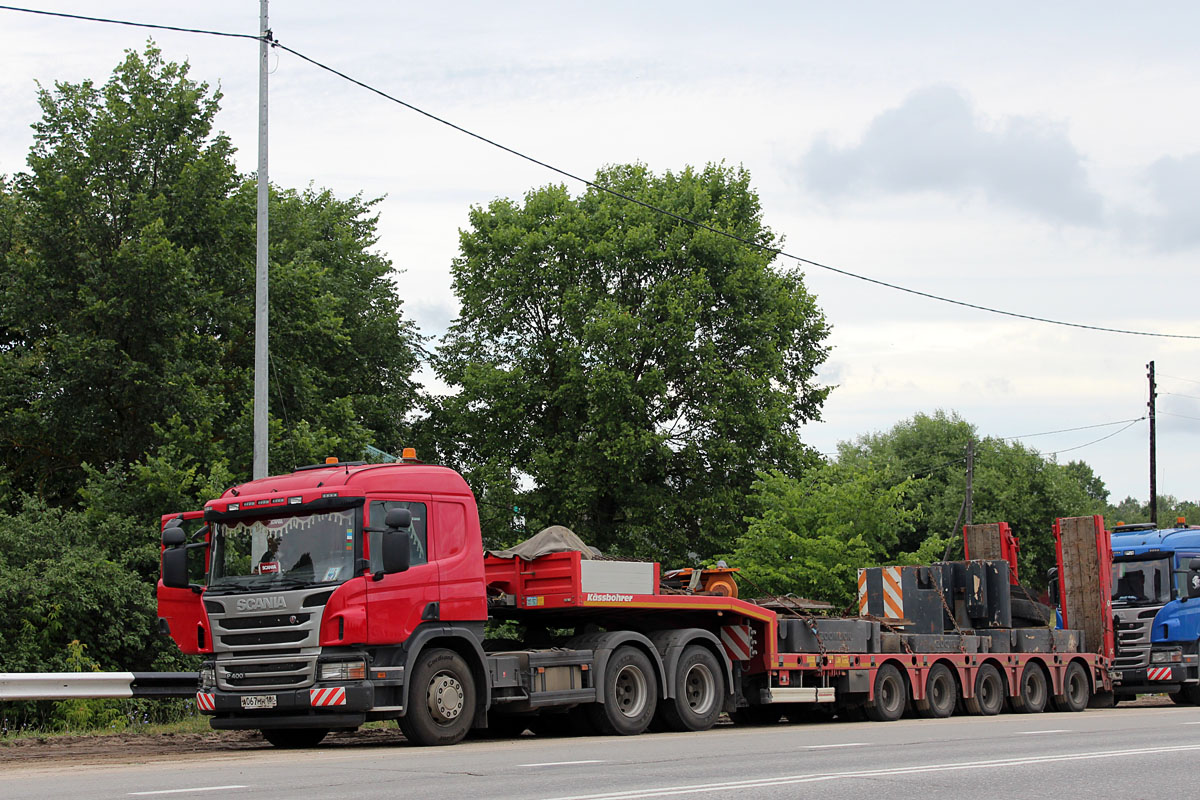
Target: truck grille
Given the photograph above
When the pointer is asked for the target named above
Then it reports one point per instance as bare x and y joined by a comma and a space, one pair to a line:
256, 651
1133, 637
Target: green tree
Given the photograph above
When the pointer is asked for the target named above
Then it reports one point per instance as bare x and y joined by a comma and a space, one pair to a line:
1012, 483
624, 373
810, 536
127, 254
127, 281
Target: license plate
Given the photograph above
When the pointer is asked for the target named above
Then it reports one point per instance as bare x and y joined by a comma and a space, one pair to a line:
259, 701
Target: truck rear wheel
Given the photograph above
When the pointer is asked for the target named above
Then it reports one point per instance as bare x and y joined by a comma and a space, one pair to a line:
941, 693
699, 690
630, 694
890, 697
1077, 689
1032, 693
441, 699
294, 738
989, 692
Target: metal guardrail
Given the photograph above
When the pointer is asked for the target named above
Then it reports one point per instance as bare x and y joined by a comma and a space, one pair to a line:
78, 685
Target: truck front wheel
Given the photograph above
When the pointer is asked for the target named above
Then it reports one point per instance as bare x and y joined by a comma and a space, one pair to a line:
441, 699
699, 690
630, 694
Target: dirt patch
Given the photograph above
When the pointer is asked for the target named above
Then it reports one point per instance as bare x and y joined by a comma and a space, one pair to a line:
135, 748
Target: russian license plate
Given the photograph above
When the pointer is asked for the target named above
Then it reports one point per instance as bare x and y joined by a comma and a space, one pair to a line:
258, 701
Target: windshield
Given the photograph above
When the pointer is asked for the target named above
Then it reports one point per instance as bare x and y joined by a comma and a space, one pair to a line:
1141, 582
285, 551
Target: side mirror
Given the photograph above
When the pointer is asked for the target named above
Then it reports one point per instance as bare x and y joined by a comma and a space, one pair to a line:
396, 546
1052, 586
173, 535
1194, 564
175, 565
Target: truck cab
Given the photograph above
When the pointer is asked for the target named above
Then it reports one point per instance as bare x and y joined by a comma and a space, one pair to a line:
1157, 623
289, 595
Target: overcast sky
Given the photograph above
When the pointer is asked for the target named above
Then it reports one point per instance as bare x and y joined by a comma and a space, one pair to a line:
1038, 158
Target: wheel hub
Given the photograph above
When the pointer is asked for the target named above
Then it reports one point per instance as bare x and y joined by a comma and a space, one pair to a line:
445, 696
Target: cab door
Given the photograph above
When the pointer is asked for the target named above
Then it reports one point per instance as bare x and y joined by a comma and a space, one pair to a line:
398, 603
182, 610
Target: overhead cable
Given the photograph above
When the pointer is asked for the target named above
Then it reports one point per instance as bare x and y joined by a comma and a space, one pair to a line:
630, 198
1068, 430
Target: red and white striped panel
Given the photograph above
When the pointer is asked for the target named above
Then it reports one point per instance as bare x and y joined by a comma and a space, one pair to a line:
862, 592
738, 642
893, 593
332, 696
1158, 674
206, 701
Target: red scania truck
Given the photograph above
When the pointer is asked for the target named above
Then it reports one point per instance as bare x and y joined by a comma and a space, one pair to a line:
344, 593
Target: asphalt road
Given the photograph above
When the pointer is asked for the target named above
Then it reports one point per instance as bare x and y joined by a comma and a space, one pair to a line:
1123, 753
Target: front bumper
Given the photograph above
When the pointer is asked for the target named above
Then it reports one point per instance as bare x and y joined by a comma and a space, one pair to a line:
1154, 679
341, 705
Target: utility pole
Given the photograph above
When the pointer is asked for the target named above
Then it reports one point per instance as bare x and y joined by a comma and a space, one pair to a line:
1153, 461
970, 477
260, 268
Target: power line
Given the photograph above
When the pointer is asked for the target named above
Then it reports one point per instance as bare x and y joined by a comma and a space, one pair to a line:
130, 23
1097, 441
1181, 416
629, 198
1177, 394
1177, 378
1068, 430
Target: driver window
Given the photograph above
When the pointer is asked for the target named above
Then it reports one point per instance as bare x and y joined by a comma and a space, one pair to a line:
418, 554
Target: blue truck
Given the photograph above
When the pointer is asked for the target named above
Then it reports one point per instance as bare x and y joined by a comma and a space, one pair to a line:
1156, 610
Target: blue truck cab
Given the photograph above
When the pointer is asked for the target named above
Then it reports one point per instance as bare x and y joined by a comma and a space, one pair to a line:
1157, 624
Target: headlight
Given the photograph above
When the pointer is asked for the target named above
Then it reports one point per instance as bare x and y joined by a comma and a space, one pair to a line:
1166, 656
208, 677
344, 671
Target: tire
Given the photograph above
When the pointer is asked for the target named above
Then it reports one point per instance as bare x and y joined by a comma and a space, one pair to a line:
989, 692
1077, 689
941, 693
1033, 692
1188, 695
890, 696
699, 691
630, 692
441, 699
294, 738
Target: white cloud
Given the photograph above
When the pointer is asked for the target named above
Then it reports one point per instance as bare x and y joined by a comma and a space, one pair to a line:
936, 142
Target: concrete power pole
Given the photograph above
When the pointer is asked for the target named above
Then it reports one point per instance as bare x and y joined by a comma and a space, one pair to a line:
1153, 458
260, 270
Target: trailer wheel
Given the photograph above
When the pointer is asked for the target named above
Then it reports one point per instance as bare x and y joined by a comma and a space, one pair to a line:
699, 689
441, 700
1033, 692
989, 692
294, 738
630, 694
941, 693
890, 695
1077, 689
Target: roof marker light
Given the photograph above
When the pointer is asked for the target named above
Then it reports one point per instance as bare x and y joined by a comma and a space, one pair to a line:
409, 454
331, 460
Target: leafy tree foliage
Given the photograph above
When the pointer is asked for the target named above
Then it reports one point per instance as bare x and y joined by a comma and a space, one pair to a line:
1011, 483
127, 272
127, 254
624, 373
809, 536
